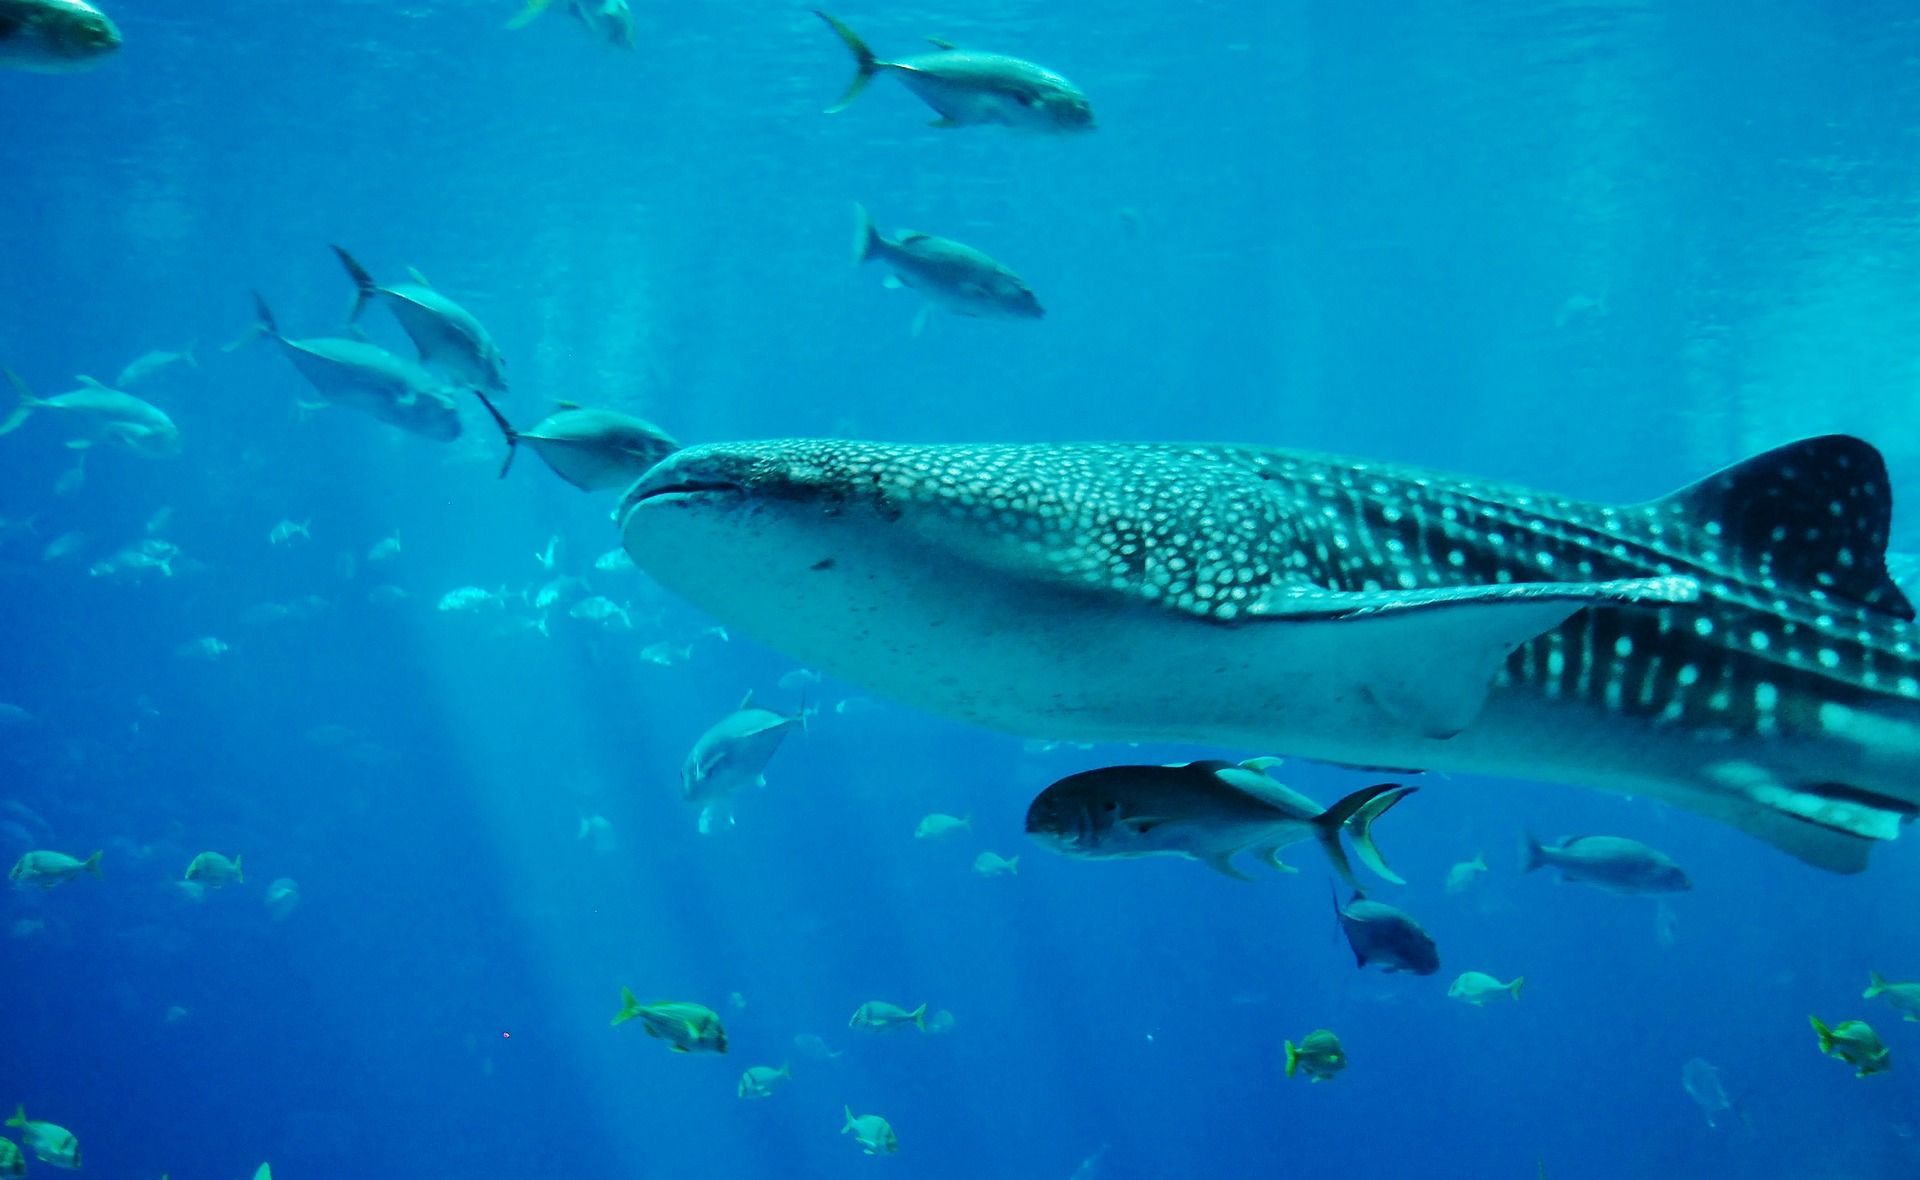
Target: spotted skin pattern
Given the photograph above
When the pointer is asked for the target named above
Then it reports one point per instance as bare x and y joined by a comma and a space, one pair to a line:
1786, 698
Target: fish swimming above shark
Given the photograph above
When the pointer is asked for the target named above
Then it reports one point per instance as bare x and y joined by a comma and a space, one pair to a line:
1735, 648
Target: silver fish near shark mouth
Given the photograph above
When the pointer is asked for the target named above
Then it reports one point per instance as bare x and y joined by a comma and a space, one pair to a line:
1735, 648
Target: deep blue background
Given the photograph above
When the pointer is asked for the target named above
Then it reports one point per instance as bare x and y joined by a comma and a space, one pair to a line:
1602, 247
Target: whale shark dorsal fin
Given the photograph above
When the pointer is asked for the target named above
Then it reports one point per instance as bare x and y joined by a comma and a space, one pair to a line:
1427, 658
1814, 513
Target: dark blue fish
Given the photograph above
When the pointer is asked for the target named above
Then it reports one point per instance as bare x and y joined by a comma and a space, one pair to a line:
1381, 934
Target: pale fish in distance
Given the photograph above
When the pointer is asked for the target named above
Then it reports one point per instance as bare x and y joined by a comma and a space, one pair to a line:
450, 339
1701, 1080
873, 1133
1462, 875
148, 363
1613, 863
608, 20
969, 88
949, 275
992, 864
760, 1081
1905, 997
594, 450
731, 755
215, 871
881, 1016
1355, 612
939, 825
46, 868
1477, 987
96, 414
360, 376
54, 36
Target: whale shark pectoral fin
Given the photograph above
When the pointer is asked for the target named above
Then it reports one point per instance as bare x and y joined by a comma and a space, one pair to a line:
1427, 658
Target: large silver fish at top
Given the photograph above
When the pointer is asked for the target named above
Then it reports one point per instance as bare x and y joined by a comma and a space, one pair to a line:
1735, 648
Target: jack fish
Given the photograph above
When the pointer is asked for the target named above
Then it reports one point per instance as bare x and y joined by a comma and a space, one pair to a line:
1735, 648
450, 338
594, 450
948, 274
971, 89
94, 413
1206, 811
368, 378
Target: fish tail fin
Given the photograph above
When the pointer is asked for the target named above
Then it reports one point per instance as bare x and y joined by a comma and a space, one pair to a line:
1293, 1059
529, 14
28, 403
629, 1006
1013, 865
849, 1127
1823, 1032
786, 1070
92, 863
19, 1118
1532, 855
865, 63
238, 875
187, 354
1357, 813
1876, 983
364, 288
866, 237
1480, 861
919, 1017
263, 325
1513, 989
506, 430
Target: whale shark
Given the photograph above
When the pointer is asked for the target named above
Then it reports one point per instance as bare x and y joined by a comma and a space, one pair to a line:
1735, 648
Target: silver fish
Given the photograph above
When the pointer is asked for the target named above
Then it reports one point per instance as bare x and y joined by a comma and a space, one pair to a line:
450, 338
971, 89
1614, 863
54, 36
1701, 1080
608, 20
1734, 648
148, 363
732, 754
368, 378
593, 450
950, 275
95, 414
1205, 811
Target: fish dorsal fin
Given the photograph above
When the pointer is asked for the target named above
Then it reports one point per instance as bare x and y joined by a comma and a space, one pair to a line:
566, 405
1267, 790
90, 383
746, 701
1814, 513
418, 278
942, 44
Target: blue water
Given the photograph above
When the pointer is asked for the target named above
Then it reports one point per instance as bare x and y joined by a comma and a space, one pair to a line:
1598, 247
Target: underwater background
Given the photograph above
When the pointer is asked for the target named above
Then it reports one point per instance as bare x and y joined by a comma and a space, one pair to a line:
1597, 247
